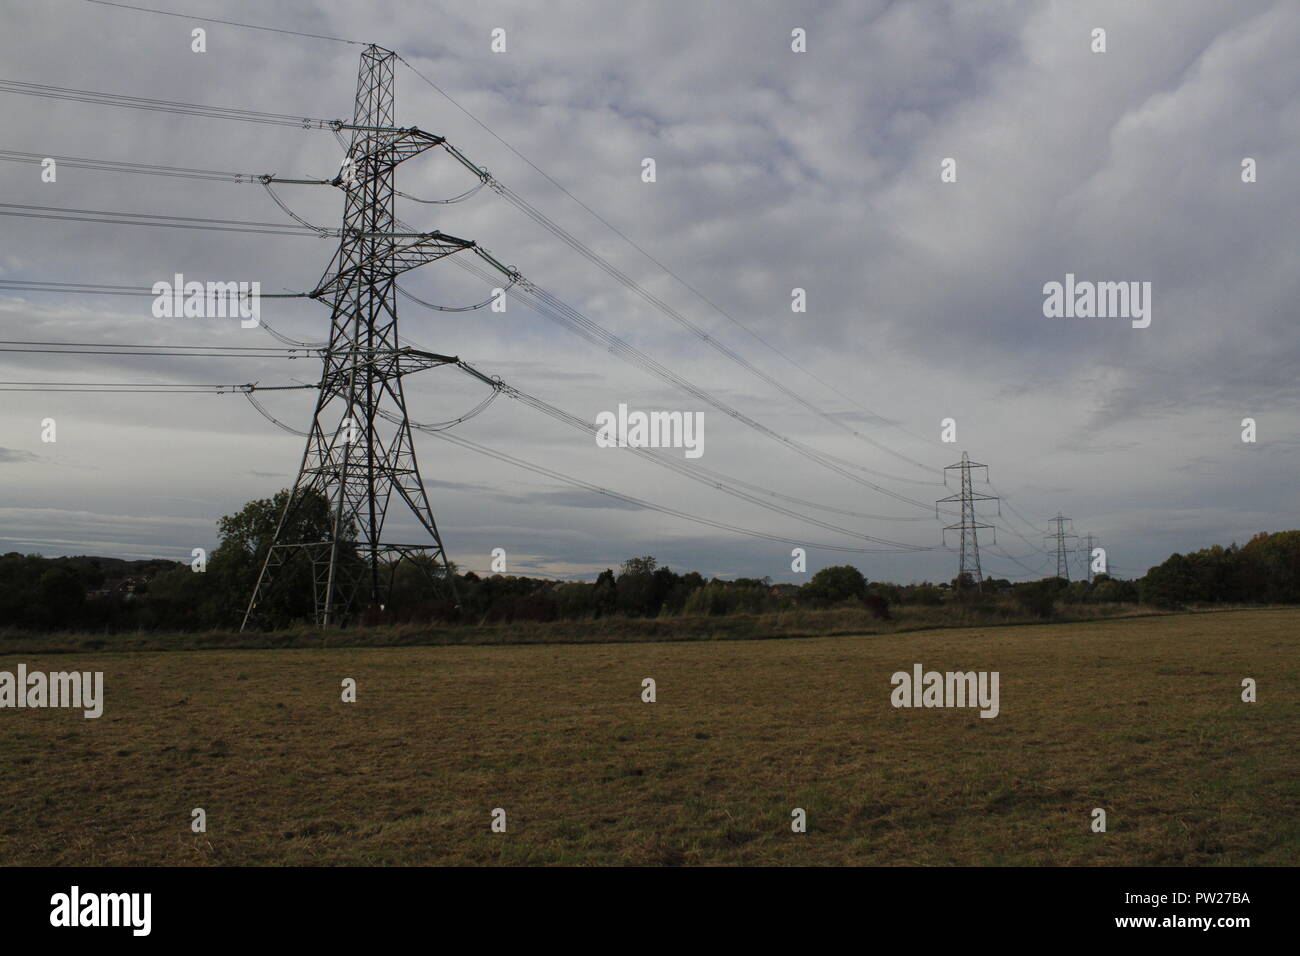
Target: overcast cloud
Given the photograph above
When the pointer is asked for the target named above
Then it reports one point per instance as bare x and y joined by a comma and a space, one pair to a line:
775, 170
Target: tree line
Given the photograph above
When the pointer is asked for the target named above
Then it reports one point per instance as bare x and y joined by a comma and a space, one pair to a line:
107, 594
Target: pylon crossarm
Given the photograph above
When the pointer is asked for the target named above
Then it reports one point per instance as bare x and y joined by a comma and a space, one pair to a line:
388, 361
423, 248
434, 356
388, 147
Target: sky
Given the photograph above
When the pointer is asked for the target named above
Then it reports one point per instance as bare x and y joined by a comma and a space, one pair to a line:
774, 170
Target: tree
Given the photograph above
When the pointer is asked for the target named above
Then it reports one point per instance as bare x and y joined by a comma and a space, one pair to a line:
1038, 597
604, 598
964, 582
636, 587
835, 585
60, 593
182, 599
1169, 585
418, 589
245, 539
644, 565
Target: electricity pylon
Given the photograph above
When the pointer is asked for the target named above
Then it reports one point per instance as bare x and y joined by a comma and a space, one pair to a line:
359, 450
969, 563
1089, 542
1059, 536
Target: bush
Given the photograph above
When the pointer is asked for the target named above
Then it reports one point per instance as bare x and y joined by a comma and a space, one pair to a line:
878, 606
927, 595
834, 585
716, 599
1038, 598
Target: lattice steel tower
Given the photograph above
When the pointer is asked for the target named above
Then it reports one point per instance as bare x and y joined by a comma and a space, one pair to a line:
1059, 536
1088, 541
969, 524
359, 450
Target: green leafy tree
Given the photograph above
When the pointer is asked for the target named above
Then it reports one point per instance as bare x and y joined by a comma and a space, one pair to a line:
604, 596
1171, 584
834, 585
60, 594
635, 587
245, 539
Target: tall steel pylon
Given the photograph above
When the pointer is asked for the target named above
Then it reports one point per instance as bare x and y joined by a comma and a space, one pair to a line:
969, 524
1059, 536
1089, 541
359, 449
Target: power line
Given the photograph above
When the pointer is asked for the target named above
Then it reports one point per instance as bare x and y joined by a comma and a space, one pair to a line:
122, 290
122, 166
193, 222
125, 386
81, 348
150, 219
446, 308
153, 351
128, 345
1023, 520
231, 23
697, 472
531, 210
640, 502
98, 98
153, 354
711, 478
141, 387
335, 125
601, 219
1029, 572
549, 306
91, 288
598, 489
710, 340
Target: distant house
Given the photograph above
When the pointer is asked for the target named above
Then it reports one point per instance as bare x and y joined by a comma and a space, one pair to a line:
125, 588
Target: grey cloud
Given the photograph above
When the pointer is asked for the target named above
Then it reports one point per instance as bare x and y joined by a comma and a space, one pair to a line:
776, 170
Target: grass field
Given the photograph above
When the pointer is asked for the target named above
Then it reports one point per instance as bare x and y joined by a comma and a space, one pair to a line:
796, 622
1142, 717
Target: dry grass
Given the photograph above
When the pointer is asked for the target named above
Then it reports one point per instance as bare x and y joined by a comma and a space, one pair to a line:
800, 622
1141, 716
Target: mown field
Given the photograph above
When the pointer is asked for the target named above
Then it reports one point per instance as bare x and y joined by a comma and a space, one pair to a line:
1142, 717
797, 622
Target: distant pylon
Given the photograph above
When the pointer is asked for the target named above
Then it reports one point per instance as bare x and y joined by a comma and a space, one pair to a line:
359, 452
1059, 536
1089, 542
969, 563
